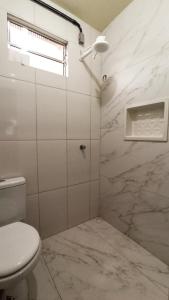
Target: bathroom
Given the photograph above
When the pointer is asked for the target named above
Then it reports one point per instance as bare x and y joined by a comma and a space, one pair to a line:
84, 159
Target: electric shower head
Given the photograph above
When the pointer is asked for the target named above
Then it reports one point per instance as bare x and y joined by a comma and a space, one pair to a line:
101, 45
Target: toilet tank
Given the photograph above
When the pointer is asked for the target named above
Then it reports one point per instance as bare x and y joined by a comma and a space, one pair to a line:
12, 200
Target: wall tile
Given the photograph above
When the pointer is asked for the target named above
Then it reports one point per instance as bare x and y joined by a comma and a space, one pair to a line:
141, 214
32, 211
50, 79
73, 32
17, 110
51, 113
96, 79
78, 116
94, 201
50, 22
79, 78
36, 104
78, 204
10, 68
53, 212
134, 179
15, 70
94, 33
95, 155
78, 162
18, 158
95, 117
20, 8
3, 39
51, 164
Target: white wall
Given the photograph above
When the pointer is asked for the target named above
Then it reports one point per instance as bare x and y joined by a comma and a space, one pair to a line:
43, 120
135, 175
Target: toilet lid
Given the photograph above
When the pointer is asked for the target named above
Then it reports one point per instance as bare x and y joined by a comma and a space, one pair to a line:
19, 242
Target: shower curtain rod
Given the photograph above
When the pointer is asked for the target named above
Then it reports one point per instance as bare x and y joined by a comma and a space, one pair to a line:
64, 16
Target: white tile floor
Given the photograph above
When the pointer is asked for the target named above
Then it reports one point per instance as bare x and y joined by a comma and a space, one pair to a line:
95, 261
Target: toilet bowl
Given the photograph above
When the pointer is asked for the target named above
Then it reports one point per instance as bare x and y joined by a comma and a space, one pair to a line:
19, 252
20, 244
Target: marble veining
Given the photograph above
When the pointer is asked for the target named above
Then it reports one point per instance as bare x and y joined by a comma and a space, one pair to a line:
96, 261
135, 175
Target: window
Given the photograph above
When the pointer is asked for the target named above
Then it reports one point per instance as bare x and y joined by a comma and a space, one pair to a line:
36, 49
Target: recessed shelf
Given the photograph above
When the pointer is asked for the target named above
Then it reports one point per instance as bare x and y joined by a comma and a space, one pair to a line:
147, 122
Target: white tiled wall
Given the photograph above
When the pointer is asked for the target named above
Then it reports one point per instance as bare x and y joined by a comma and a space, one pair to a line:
51, 113
78, 162
78, 116
53, 211
78, 204
44, 118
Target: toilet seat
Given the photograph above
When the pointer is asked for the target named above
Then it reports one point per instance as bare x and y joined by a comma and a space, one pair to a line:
19, 244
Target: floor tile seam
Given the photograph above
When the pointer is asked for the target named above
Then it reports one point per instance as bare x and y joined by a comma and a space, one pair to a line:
96, 231
48, 269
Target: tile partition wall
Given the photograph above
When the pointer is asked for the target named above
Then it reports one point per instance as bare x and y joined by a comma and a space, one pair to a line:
135, 175
43, 120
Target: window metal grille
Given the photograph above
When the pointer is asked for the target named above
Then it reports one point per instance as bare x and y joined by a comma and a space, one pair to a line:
44, 51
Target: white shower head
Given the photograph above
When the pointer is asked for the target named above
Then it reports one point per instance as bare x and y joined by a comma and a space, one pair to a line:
100, 46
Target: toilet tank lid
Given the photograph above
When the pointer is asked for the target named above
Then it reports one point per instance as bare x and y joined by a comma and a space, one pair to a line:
11, 182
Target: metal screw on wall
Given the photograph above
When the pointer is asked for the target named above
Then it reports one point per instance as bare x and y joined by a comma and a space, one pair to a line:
82, 147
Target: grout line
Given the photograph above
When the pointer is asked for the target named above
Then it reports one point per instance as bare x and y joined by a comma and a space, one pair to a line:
34, 81
47, 140
67, 202
19, 79
99, 196
102, 237
65, 186
37, 161
90, 187
51, 276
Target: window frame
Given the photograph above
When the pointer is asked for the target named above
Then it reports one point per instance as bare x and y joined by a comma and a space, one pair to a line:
44, 34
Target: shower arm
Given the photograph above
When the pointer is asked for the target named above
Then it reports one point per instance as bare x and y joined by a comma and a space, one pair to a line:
86, 53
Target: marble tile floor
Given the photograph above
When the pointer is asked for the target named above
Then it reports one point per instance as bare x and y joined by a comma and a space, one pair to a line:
95, 261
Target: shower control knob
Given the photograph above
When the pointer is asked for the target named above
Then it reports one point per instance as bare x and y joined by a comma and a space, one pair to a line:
82, 147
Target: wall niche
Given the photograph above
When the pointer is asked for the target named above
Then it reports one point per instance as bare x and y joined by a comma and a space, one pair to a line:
147, 121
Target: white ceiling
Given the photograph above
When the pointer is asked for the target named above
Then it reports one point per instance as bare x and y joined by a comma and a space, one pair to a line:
97, 13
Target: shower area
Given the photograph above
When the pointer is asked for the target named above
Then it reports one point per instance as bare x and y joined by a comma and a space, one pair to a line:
122, 252
92, 144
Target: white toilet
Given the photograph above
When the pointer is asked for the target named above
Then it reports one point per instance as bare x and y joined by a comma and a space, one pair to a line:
20, 244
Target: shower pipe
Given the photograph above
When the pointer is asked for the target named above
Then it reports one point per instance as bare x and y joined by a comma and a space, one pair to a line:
64, 16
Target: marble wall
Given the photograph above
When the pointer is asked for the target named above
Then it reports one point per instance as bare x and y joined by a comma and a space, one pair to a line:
135, 175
